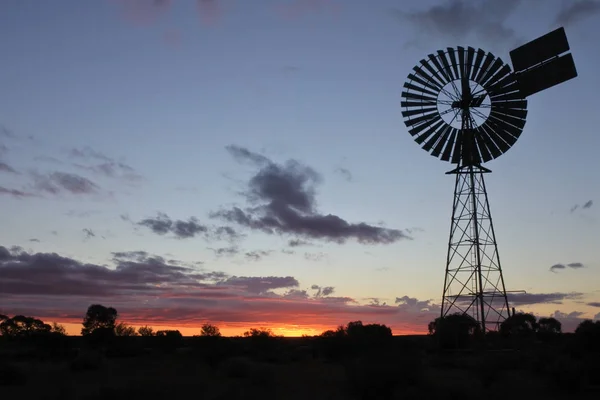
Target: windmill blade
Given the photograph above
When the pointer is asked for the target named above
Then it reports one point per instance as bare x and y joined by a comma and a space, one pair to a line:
439, 146
417, 111
410, 86
456, 154
415, 96
418, 128
434, 73
408, 104
440, 68
454, 62
483, 149
419, 71
428, 85
449, 145
489, 58
447, 68
434, 139
469, 64
431, 129
477, 64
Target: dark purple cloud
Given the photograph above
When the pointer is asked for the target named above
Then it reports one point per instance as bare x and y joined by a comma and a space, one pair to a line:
148, 289
4, 167
281, 200
574, 11
519, 299
344, 173
588, 204
15, 193
556, 267
60, 182
257, 255
594, 304
162, 224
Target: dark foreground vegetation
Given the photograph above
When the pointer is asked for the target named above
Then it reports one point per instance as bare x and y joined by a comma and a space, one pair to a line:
525, 359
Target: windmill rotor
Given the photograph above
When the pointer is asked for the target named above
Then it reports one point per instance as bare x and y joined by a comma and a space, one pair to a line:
463, 105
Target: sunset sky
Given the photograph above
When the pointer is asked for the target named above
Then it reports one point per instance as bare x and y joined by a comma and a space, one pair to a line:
245, 163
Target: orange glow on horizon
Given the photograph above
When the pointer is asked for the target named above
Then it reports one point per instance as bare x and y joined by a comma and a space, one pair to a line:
288, 330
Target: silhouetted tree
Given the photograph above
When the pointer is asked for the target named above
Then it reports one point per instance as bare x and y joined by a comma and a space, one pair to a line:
259, 332
519, 324
454, 330
210, 330
146, 331
122, 329
169, 339
58, 329
588, 334
98, 316
549, 326
21, 326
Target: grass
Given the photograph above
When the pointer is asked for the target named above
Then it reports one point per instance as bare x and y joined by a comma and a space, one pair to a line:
239, 372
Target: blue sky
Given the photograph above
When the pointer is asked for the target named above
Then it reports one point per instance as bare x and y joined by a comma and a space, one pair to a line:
136, 102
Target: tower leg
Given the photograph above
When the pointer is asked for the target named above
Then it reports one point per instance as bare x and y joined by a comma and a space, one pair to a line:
473, 283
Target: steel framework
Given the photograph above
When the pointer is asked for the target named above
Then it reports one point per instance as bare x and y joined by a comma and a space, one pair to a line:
473, 284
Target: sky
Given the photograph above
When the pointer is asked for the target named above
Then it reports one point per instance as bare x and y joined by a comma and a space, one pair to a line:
246, 163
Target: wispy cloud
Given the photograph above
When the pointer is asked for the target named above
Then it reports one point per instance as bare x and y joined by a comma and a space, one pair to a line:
460, 20
100, 164
61, 182
4, 167
282, 200
574, 11
344, 173
15, 193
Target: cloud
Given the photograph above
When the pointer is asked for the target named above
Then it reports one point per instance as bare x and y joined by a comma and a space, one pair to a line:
88, 233
107, 166
557, 267
322, 291
257, 255
59, 182
34, 240
587, 205
460, 20
594, 304
162, 224
344, 173
574, 265
7, 168
15, 193
283, 201
147, 289
519, 299
575, 11
314, 256
225, 251
3, 149
298, 242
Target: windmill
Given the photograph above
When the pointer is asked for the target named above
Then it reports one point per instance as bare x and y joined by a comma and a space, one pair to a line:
467, 107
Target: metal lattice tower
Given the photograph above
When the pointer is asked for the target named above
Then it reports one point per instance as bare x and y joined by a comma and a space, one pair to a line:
466, 106
473, 283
